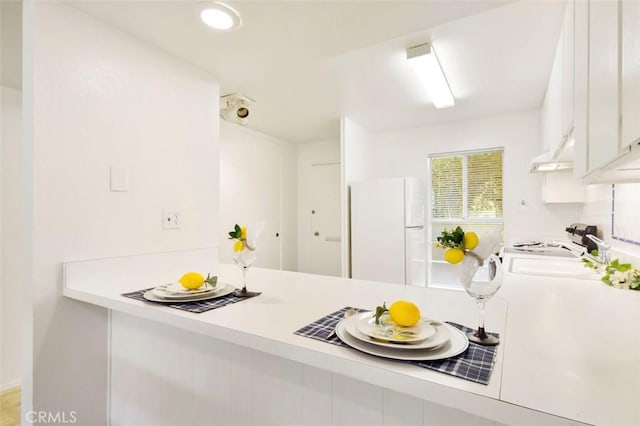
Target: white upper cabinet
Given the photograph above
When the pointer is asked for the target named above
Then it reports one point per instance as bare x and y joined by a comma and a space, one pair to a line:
568, 53
601, 85
603, 115
580, 86
557, 110
552, 108
630, 93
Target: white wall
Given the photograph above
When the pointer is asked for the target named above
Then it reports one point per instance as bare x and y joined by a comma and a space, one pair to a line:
404, 153
357, 163
11, 238
597, 211
289, 226
257, 182
315, 254
99, 97
357, 155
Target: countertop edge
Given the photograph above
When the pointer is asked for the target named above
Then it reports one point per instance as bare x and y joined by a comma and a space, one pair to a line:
467, 401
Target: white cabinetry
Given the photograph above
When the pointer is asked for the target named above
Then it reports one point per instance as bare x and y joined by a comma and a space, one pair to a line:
630, 85
557, 109
581, 87
603, 122
552, 107
568, 49
600, 87
562, 187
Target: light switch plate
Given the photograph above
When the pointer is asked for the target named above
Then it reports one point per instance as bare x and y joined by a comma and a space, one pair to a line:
119, 178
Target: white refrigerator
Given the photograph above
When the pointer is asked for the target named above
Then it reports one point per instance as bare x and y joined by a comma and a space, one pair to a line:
387, 231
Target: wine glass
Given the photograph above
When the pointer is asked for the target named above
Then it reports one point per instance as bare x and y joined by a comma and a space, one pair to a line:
482, 280
244, 259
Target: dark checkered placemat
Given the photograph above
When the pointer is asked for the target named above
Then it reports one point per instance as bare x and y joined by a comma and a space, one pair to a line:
474, 364
195, 307
323, 329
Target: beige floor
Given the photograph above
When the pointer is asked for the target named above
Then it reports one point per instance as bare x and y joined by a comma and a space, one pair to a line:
10, 407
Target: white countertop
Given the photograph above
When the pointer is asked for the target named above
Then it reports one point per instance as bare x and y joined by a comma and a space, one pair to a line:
570, 348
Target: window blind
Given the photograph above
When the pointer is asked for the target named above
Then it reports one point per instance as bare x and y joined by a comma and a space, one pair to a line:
484, 181
446, 187
467, 186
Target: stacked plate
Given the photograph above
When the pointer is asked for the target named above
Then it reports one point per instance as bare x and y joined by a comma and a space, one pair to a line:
176, 293
427, 341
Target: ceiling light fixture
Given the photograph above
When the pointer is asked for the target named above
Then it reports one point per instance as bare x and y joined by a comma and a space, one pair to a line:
236, 108
220, 16
425, 63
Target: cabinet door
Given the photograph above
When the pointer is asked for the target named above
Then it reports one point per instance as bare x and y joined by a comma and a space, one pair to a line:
630, 71
567, 69
581, 87
603, 83
553, 122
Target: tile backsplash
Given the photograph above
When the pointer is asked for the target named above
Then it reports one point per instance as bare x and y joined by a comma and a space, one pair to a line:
598, 209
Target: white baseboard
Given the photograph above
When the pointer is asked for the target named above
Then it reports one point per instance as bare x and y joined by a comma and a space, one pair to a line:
8, 385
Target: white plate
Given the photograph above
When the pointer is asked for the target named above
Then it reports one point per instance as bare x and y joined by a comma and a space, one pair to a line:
387, 330
223, 291
440, 337
176, 291
457, 344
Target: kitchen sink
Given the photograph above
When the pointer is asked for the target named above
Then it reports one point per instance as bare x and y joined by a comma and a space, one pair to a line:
552, 267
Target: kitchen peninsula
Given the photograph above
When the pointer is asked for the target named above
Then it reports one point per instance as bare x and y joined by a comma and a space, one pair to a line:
570, 351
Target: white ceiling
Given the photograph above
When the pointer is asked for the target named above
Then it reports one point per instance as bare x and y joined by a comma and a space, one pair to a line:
307, 63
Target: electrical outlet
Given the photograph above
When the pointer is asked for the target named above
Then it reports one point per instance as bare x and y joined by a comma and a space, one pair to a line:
170, 219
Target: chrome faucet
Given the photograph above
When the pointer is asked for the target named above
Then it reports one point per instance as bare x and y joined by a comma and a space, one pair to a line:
574, 249
603, 250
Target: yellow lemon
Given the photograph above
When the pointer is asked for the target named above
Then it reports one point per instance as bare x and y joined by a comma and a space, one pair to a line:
454, 255
238, 246
404, 313
191, 280
243, 231
470, 240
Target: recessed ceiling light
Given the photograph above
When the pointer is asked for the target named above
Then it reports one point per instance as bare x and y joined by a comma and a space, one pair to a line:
220, 16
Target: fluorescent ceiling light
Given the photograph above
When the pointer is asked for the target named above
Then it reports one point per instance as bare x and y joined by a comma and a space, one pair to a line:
220, 16
425, 63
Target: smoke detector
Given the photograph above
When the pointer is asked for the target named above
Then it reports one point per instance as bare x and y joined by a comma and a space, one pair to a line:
236, 108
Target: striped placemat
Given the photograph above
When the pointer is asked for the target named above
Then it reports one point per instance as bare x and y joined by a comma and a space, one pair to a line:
474, 364
196, 307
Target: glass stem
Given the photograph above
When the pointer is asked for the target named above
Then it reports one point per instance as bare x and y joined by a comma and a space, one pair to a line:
244, 280
481, 333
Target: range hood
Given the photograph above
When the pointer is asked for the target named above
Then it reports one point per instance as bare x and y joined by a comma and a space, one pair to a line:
546, 163
561, 159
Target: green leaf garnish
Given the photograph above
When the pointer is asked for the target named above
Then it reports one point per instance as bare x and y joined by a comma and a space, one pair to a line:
451, 239
379, 311
236, 234
212, 281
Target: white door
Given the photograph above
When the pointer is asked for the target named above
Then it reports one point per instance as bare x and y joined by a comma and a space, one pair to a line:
250, 191
319, 251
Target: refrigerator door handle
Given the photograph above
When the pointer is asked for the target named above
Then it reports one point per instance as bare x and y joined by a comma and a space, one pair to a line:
414, 227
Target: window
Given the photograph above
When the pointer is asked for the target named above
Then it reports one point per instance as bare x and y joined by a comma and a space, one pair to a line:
466, 190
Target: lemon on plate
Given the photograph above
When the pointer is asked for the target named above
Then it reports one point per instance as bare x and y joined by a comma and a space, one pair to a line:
191, 280
404, 313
